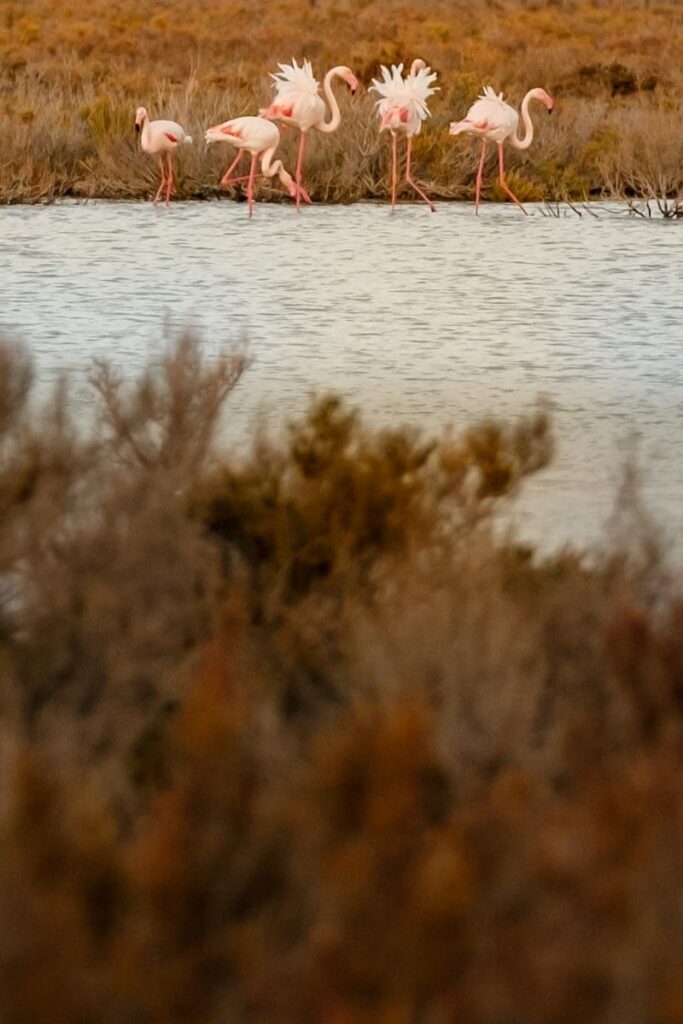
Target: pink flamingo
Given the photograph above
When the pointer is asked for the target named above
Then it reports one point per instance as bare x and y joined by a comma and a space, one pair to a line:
298, 103
259, 137
160, 138
494, 120
402, 108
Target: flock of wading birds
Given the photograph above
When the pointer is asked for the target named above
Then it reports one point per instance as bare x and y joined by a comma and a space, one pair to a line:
401, 108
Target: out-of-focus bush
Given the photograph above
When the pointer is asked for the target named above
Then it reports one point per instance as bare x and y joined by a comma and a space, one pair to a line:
302, 736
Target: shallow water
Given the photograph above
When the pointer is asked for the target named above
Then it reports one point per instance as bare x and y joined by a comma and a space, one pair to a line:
418, 318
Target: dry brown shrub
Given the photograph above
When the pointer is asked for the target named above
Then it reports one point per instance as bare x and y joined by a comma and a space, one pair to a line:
303, 737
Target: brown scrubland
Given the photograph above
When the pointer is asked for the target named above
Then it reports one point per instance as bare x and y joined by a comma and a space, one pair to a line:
304, 736
71, 76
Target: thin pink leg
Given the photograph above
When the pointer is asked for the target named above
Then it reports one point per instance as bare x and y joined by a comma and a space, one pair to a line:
226, 179
160, 161
169, 180
410, 181
394, 169
503, 183
245, 177
250, 184
480, 175
299, 168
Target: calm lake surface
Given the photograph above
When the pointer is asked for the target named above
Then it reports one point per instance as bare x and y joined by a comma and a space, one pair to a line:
427, 319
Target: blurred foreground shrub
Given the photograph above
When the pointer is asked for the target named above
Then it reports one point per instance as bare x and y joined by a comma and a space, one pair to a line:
303, 737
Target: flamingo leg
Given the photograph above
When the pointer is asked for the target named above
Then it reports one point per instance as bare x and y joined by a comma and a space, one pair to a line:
394, 169
299, 167
244, 177
250, 184
169, 180
503, 183
226, 179
410, 181
160, 161
480, 175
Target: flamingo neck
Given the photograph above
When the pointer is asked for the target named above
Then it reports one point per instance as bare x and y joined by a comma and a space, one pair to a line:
335, 118
528, 125
270, 169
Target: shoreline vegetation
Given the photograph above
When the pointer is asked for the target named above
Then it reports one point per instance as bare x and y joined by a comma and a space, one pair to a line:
71, 78
301, 737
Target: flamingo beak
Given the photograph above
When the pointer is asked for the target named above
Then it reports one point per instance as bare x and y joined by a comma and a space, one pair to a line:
137, 126
353, 83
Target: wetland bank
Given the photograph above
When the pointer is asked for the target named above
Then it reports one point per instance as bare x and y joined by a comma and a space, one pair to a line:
71, 79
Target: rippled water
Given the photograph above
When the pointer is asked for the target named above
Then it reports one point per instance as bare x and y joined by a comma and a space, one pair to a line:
428, 319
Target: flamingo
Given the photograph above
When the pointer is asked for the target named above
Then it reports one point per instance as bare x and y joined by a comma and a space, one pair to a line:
494, 120
160, 138
402, 109
260, 137
298, 103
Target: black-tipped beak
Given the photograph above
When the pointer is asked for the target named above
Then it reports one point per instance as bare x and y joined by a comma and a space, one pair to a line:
137, 127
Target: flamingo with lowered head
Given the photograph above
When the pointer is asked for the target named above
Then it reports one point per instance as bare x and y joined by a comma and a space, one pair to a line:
259, 137
402, 108
159, 139
494, 120
298, 103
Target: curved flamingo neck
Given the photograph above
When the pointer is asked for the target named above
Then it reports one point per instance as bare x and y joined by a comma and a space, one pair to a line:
528, 125
144, 132
335, 113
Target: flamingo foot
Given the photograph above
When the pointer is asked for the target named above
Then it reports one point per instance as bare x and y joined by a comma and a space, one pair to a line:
513, 197
421, 194
302, 193
503, 183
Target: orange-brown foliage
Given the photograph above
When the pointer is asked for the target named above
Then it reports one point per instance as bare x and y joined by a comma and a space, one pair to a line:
71, 77
301, 738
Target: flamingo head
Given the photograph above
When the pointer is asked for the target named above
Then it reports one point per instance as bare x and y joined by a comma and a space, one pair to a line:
349, 77
417, 65
140, 118
547, 101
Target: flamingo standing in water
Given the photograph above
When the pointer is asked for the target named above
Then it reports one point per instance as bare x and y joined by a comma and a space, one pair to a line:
494, 120
259, 137
160, 138
298, 103
402, 108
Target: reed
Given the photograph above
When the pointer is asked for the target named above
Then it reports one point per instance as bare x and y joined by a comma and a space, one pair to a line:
70, 80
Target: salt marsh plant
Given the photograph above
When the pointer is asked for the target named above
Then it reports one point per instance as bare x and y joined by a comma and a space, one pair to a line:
299, 736
71, 78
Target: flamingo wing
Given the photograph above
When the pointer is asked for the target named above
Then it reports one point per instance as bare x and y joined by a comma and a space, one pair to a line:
167, 134
406, 96
391, 89
489, 116
252, 133
297, 96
